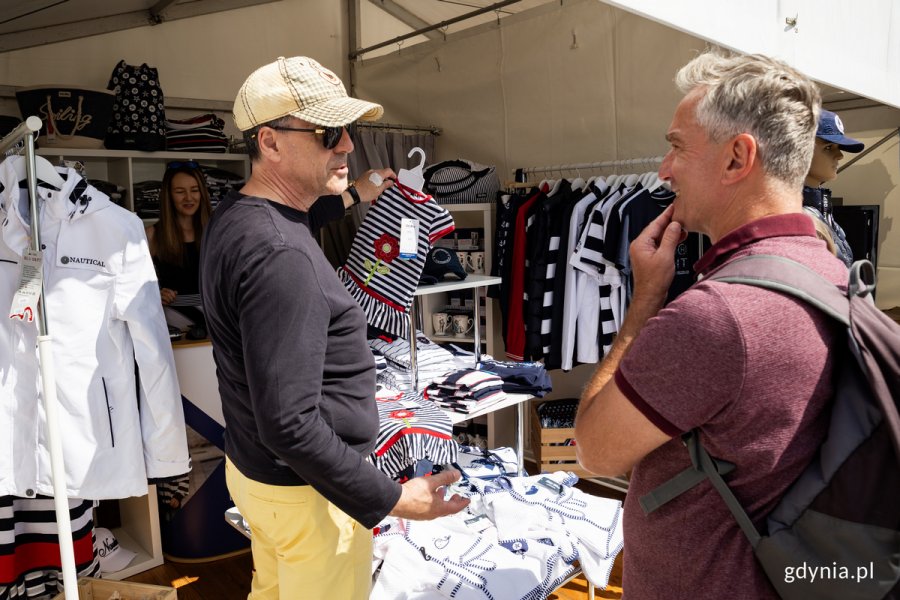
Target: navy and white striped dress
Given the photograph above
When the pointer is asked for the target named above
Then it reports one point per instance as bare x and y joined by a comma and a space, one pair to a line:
379, 280
411, 429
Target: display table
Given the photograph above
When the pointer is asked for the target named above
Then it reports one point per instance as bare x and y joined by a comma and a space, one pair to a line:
195, 531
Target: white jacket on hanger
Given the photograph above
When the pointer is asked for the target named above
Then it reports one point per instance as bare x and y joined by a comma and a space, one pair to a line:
103, 315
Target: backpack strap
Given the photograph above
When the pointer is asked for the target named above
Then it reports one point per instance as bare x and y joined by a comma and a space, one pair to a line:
790, 277
707, 465
782, 275
684, 481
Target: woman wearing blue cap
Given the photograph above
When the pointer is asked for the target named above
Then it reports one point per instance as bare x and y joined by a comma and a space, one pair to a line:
830, 142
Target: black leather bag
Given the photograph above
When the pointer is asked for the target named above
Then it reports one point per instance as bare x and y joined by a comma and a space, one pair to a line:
461, 182
139, 114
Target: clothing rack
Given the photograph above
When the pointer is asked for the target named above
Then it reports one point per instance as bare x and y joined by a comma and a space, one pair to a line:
26, 131
432, 129
522, 173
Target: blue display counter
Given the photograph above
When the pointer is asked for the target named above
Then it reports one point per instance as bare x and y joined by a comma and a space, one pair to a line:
191, 523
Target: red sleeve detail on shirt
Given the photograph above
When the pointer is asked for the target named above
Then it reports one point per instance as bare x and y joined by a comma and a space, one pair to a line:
648, 411
441, 233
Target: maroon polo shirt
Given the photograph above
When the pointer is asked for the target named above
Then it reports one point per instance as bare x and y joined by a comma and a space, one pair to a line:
751, 369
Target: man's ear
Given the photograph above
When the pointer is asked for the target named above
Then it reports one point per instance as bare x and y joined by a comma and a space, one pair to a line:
741, 158
267, 142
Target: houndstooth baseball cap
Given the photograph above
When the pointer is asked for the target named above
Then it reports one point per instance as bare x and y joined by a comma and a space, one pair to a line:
300, 87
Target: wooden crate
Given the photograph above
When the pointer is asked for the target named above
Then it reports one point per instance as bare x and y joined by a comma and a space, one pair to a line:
100, 589
549, 454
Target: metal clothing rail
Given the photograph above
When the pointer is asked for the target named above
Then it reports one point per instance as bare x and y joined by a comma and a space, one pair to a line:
27, 131
498, 5
605, 164
432, 129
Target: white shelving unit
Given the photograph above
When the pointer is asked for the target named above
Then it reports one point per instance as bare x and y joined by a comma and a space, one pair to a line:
139, 533
475, 283
128, 167
432, 298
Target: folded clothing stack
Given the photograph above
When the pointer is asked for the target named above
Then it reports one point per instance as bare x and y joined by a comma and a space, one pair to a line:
202, 133
220, 182
520, 377
146, 199
466, 390
431, 361
116, 192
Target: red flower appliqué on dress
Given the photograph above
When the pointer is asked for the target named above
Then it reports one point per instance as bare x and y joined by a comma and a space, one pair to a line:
404, 415
387, 248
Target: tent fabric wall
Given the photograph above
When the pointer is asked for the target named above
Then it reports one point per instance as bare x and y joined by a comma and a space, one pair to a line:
583, 82
566, 82
578, 83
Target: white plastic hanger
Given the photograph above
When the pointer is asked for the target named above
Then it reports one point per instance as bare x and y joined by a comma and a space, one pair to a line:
44, 171
413, 178
656, 183
613, 180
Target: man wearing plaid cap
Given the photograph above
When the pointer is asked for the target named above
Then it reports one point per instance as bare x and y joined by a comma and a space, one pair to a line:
296, 376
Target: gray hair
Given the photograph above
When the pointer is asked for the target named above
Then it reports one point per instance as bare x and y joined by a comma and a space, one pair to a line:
762, 96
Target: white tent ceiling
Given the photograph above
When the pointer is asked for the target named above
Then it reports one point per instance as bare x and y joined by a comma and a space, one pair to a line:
27, 23
413, 15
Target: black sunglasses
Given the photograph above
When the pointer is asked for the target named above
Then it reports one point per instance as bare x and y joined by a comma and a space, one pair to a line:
188, 164
331, 136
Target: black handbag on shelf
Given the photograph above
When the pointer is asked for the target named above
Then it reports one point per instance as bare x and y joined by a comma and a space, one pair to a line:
461, 182
139, 114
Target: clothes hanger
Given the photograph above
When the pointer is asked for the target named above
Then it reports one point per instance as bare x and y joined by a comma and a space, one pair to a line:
657, 183
44, 171
631, 179
613, 180
548, 181
578, 183
557, 183
413, 178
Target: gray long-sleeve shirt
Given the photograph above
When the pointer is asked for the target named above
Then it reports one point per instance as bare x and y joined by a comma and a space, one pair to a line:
295, 373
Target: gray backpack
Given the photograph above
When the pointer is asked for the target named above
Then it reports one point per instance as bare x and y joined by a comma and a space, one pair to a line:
835, 534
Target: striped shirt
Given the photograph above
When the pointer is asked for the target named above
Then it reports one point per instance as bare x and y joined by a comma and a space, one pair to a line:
379, 280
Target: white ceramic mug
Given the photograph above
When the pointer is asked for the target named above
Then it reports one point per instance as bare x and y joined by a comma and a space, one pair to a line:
440, 321
462, 324
463, 260
475, 263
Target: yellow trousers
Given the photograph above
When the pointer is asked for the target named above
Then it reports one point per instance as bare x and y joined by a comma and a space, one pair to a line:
304, 547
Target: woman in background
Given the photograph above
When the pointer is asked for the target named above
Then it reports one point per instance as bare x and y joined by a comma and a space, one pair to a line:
184, 210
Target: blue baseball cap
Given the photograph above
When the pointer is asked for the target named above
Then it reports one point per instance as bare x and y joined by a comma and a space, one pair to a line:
831, 129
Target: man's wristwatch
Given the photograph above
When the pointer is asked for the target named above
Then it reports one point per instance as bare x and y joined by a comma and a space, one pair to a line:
354, 193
